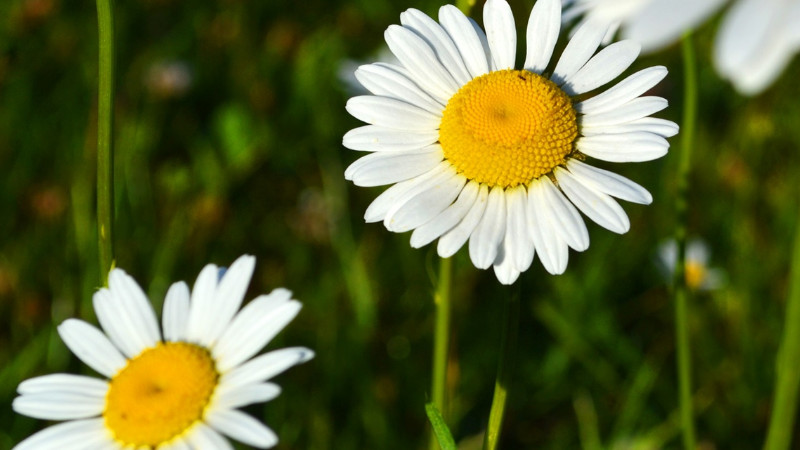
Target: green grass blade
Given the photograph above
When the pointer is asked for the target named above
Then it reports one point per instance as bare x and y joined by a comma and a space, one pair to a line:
440, 429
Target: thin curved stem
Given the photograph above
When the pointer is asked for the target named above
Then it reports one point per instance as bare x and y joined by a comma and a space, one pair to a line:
505, 368
787, 376
680, 292
441, 340
105, 133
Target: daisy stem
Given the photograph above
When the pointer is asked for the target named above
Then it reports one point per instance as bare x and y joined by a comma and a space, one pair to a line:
502, 384
787, 376
680, 292
105, 132
440, 341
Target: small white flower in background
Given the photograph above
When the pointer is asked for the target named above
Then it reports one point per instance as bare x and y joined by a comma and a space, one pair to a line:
699, 276
169, 79
478, 151
755, 42
179, 390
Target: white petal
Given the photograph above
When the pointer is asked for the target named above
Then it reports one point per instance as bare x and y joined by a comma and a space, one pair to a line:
75, 434
764, 68
792, 32
240, 396
59, 405
229, 295
465, 37
485, 241
454, 239
697, 251
420, 60
383, 168
372, 138
135, 304
116, 323
659, 127
599, 207
661, 23
425, 203
391, 113
502, 34
201, 308
579, 49
242, 428
91, 346
751, 48
64, 383
377, 210
623, 92
439, 41
518, 244
543, 29
448, 218
605, 66
266, 366
551, 249
176, 312
203, 437
254, 326
179, 443
484, 42
629, 147
609, 183
503, 266
568, 222
385, 80
633, 110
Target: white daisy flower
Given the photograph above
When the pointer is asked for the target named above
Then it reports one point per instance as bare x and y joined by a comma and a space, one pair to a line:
700, 276
179, 390
754, 44
481, 152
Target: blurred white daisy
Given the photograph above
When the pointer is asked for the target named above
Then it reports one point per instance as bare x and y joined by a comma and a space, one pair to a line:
754, 44
176, 391
480, 152
699, 275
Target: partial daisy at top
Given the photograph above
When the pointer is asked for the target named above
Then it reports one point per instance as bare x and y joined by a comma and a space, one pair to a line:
172, 387
755, 42
480, 152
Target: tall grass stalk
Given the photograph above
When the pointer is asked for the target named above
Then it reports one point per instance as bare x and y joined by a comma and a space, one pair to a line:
505, 367
787, 376
441, 340
680, 291
105, 134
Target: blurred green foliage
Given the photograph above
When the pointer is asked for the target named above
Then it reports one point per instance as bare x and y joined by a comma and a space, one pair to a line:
229, 121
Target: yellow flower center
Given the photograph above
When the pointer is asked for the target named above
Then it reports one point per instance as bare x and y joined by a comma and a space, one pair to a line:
507, 128
160, 394
695, 274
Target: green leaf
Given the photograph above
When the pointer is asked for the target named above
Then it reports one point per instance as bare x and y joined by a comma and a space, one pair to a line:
440, 429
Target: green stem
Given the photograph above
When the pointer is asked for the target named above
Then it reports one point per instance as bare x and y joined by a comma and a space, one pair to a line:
440, 341
787, 376
508, 349
105, 132
680, 292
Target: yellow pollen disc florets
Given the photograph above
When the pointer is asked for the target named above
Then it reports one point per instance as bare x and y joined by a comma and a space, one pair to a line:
508, 128
160, 393
695, 274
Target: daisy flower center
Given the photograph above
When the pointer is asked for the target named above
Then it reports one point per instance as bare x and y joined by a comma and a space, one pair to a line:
160, 393
695, 274
508, 128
